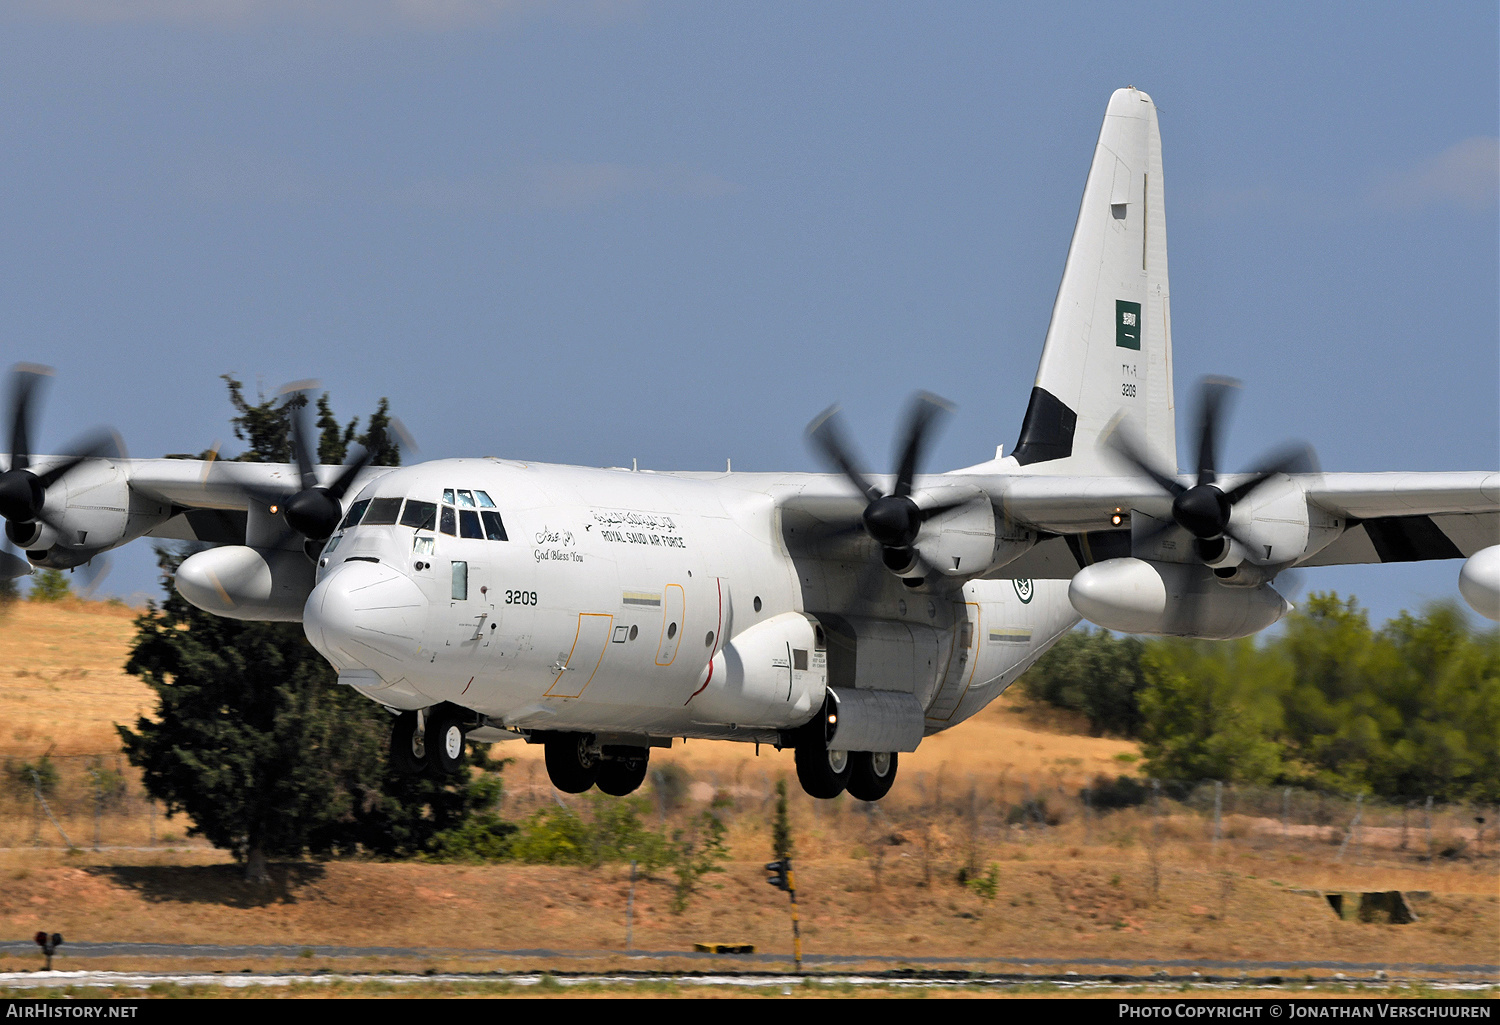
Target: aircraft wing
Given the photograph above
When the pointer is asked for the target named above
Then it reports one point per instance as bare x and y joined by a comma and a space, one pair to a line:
213, 501
1385, 517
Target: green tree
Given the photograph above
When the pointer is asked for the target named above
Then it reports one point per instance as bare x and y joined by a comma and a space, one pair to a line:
781, 828
49, 585
267, 426
1096, 673
381, 437
254, 740
333, 441
1211, 711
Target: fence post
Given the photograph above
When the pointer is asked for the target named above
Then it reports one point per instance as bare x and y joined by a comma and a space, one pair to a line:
1428, 815
1359, 809
1218, 808
98, 807
630, 908
1286, 809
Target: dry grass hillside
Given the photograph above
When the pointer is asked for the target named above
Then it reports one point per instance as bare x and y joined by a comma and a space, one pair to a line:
881, 880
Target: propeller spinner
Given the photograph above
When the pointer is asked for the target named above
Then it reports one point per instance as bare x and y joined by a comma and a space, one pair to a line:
314, 510
892, 520
23, 491
1205, 509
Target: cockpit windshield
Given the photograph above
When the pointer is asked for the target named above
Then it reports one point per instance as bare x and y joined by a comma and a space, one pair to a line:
463, 513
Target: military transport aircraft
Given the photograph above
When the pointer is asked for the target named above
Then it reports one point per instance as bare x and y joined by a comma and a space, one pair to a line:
603, 612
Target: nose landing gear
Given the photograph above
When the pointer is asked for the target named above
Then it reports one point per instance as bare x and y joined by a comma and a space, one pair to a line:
430, 742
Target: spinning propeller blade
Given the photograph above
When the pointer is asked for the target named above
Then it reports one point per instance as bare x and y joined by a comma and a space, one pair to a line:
893, 520
23, 492
1204, 509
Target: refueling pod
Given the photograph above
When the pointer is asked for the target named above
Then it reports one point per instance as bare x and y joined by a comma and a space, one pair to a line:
1140, 597
1479, 581
240, 582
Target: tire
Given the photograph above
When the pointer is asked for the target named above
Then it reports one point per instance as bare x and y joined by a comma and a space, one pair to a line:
871, 774
445, 740
823, 774
408, 753
570, 765
620, 776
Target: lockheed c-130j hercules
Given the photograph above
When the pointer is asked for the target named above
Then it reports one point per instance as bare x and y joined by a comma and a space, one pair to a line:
604, 612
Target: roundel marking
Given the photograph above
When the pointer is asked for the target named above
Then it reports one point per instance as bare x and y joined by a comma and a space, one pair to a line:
1024, 590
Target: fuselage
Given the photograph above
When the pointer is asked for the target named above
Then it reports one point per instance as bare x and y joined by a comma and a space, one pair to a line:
552, 597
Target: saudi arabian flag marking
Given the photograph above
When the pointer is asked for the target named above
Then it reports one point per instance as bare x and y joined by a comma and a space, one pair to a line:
1127, 324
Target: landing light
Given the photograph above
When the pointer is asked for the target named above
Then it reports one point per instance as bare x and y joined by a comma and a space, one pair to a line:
1116, 519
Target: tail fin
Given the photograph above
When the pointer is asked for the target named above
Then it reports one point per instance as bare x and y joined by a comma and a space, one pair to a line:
1109, 346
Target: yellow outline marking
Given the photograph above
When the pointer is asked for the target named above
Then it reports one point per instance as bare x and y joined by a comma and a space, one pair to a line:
552, 692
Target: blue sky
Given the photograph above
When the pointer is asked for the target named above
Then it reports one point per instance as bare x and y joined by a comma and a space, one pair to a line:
675, 231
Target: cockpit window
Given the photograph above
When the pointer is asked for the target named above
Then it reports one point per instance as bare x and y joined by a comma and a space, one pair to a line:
457, 518
422, 515
355, 512
382, 512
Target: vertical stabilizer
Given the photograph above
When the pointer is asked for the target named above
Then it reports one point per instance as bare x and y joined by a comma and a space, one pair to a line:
1109, 346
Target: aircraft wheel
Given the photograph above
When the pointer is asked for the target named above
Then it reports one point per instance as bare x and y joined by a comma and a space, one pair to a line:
619, 776
571, 766
821, 772
408, 748
871, 774
445, 740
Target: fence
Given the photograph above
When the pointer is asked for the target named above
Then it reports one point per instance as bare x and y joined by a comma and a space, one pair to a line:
958, 820
80, 801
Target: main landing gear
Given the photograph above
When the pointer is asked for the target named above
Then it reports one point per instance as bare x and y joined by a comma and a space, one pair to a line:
825, 774
575, 763
430, 742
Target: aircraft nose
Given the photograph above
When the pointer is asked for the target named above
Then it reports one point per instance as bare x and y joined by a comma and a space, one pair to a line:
365, 615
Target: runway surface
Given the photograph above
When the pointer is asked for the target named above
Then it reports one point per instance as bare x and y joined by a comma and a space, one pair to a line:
1489, 972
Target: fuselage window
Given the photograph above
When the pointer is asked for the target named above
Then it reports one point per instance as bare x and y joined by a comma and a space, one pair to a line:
449, 522
468, 524
485, 501
460, 581
355, 512
382, 512
494, 530
422, 515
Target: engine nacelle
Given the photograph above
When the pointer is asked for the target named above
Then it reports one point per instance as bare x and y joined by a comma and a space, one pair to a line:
247, 583
961, 541
1479, 582
1139, 597
774, 674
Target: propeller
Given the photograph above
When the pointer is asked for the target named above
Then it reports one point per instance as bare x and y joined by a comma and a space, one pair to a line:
1204, 509
892, 520
23, 491
312, 510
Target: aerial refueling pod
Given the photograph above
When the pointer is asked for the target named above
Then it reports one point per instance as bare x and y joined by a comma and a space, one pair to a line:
1479, 581
1140, 597
239, 582
774, 674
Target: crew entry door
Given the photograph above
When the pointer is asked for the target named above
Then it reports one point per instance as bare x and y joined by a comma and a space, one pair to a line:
575, 669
